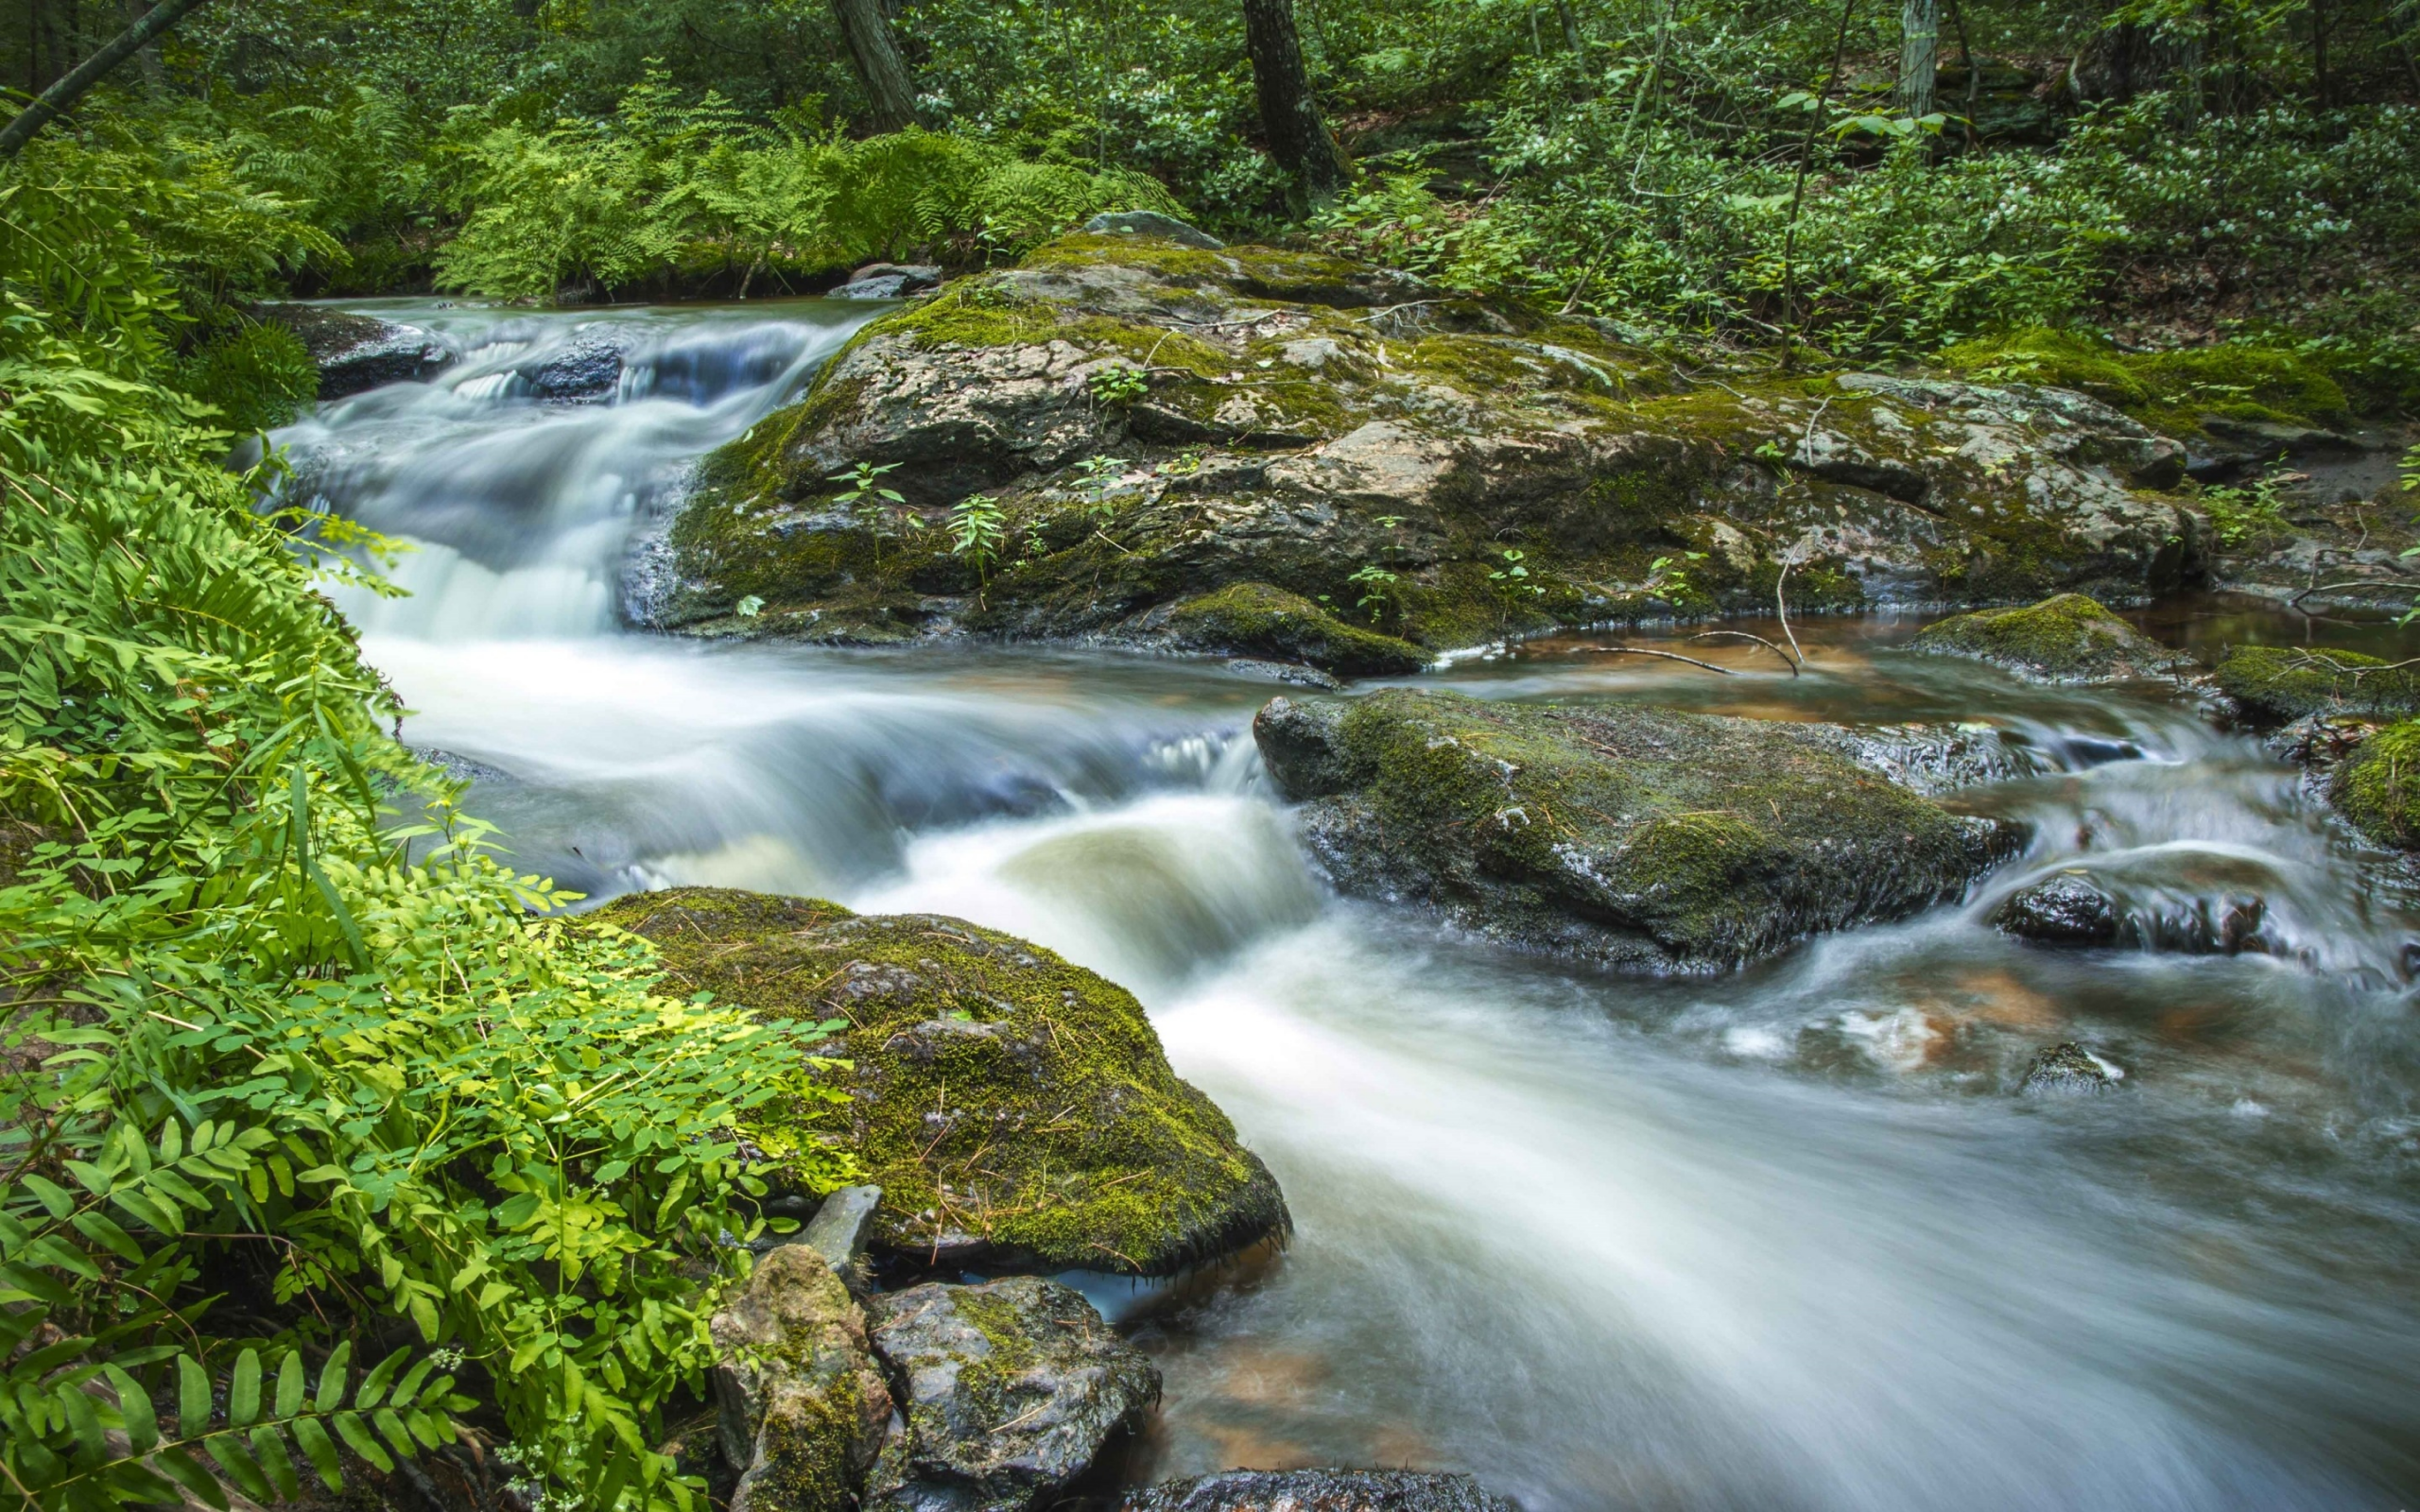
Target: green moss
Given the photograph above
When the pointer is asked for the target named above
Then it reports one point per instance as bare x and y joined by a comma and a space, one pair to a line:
1170, 261
1254, 619
2273, 684
2170, 390
1673, 840
2056, 359
999, 1092
2069, 638
2378, 787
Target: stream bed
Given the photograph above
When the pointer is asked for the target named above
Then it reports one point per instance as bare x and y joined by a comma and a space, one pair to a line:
1785, 1238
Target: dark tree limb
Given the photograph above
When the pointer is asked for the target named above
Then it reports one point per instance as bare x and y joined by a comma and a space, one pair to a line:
55, 99
1290, 115
890, 95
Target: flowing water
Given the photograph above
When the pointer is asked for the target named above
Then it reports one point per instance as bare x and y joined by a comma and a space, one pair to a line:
1781, 1239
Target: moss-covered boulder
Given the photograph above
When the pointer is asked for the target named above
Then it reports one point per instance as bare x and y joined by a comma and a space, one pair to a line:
1160, 423
2273, 684
1639, 837
2378, 787
2067, 639
1255, 620
1014, 1108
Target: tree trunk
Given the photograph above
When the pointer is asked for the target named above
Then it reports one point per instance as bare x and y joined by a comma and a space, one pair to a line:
56, 98
889, 92
1289, 117
1919, 55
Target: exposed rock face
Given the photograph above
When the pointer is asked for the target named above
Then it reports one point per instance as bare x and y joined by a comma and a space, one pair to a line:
2068, 1070
2272, 684
889, 281
1640, 838
357, 352
1376, 448
1016, 1109
1011, 1390
1319, 1491
2067, 639
841, 1231
803, 1407
2188, 903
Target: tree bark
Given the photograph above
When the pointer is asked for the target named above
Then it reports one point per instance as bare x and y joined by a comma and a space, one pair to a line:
56, 98
1919, 55
1289, 116
889, 92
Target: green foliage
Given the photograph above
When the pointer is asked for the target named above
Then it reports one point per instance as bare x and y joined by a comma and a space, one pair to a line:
978, 528
2241, 515
257, 376
1116, 386
666, 187
273, 1004
1097, 481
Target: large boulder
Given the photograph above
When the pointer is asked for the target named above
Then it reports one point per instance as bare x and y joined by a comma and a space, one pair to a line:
1640, 838
1013, 1108
1009, 1391
1158, 422
2273, 684
2377, 787
2069, 638
357, 352
805, 1409
1319, 1491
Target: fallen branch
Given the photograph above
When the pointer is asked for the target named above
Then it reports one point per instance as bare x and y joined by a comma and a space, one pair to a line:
1669, 656
1743, 635
2359, 582
1781, 602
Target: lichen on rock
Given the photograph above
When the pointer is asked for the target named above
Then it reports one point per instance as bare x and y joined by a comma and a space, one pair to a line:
1319, 1491
2274, 684
1013, 1108
1640, 838
2069, 638
805, 1408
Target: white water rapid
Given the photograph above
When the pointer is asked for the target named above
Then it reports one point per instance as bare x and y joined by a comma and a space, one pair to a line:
1781, 1239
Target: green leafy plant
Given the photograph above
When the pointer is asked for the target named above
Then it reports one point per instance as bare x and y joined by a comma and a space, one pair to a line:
979, 529
1377, 587
1097, 482
1116, 386
2240, 515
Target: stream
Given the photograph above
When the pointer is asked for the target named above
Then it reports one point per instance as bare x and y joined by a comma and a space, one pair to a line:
1780, 1239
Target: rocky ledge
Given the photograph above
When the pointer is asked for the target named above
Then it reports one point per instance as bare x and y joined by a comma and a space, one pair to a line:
1639, 837
357, 352
1160, 424
1017, 1110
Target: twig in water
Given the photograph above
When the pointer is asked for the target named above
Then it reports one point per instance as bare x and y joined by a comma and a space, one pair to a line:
1781, 601
1743, 635
2359, 582
1669, 656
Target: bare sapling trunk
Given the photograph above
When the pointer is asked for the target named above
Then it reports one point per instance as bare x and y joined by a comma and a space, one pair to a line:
1919, 55
1289, 114
890, 95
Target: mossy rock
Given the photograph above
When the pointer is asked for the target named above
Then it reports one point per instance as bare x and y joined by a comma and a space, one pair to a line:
2175, 391
2071, 638
2378, 787
2274, 684
1640, 838
1253, 619
1014, 1108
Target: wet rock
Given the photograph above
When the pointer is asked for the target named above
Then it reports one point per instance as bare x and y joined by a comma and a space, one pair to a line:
2272, 684
2063, 910
1014, 1108
889, 281
1331, 432
2067, 639
840, 1231
1150, 223
1319, 1491
1293, 672
1009, 1391
2068, 1070
357, 352
805, 1408
1639, 837
590, 368
1937, 759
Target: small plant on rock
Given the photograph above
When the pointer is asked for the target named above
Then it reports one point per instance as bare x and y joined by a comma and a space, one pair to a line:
1097, 480
977, 529
867, 499
2256, 513
1117, 386
1377, 590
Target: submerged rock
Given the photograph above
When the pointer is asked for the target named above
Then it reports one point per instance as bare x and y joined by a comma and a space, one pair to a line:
805, 1409
1009, 1391
2067, 639
357, 352
2068, 1070
1360, 441
1014, 1108
1319, 1491
1639, 837
2273, 684
2063, 910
